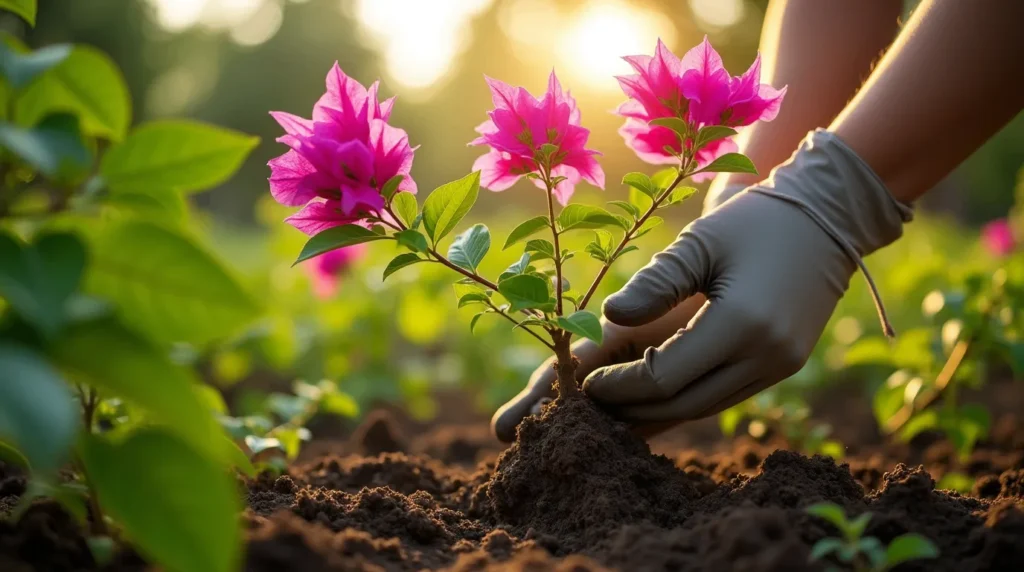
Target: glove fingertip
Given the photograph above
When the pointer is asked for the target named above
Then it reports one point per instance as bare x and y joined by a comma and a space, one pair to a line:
621, 310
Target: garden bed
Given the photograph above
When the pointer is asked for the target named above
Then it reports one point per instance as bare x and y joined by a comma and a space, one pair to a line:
580, 492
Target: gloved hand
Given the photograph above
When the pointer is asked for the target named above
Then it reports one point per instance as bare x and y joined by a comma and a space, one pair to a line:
773, 261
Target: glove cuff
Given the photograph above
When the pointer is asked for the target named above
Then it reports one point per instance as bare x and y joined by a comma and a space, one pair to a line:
839, 190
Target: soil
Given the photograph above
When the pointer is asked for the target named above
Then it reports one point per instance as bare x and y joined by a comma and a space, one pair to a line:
579, 491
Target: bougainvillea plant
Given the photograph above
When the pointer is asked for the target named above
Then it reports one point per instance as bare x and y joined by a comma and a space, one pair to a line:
349, 169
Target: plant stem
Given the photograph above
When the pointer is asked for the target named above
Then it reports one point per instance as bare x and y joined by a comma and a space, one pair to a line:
631, 232
90, 399
942, 382
554, 236
505, 315
565, 364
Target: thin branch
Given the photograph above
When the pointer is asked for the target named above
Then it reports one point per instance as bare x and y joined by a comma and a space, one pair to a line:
554, 235
942, 381
521, 326
630, 234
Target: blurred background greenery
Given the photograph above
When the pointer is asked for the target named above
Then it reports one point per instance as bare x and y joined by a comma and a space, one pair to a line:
231, 61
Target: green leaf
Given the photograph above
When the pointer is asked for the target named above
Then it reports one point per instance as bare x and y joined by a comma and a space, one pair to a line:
337, 237
476, 318
401, 261
909, 546
470, 247
238, 459
448, 204
665, 177
11, 455
629, 208
183, 155
179, 508
824, 547
919, 423
339, 403
642, 183
21, 68
165, 285
520, 266
86, 83
106, 355
869, 351
37, 280
855, 527
640, 200
24, 8
53, 148
582, 323
625, 250
711, 133
955, 481
730, 163
474, 298
405, 206
580, 217
600, 248
830, 512
729, 419
648, 225
679, 194
681, 129
540, 249
524, 291
37, 413
391, 186
526, 229
413, 240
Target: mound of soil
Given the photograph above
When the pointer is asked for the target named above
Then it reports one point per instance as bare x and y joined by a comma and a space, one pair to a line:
579, 492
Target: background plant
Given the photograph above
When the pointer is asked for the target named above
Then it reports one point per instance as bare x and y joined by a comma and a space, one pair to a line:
865, 554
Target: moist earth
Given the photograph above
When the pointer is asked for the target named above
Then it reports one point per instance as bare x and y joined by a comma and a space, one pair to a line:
579, 492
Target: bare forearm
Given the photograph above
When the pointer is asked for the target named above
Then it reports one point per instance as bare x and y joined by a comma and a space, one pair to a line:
823, 51
951, 81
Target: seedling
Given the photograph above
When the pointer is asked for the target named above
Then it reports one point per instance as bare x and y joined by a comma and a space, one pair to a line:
371, 196
866, 554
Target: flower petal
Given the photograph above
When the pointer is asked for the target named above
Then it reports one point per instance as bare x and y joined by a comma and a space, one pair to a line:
286, 175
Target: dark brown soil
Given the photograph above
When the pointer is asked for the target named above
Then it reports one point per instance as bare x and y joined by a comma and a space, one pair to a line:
579, 492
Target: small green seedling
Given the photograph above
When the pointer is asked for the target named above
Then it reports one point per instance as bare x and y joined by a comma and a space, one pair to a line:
866, 554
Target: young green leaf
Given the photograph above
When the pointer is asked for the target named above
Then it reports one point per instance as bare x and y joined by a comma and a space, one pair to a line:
167, 395
401, 261
391, 186
830, 512
580, 217
238, 459
640, 200
24, 8
582, 323
194, 299
88, 84
920, 422
448, 204
856, 526
526, 229
625, 250
9, 453
642, 183
678, 126
729, 419
475, 319
175, 154
628, 208
189, 520
539, 249
470, 247
909, 546
824, 547
648, 225
678, 195
711, 133
54, 147
520, 266
37, 413
730, 163
524, 291
663, 178
339, 403
413, 240
337, 237
474, 298
405, 207
21, 68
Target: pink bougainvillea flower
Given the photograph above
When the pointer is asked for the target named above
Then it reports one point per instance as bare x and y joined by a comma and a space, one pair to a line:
520, 125
997, 236
339, 159
326, 270
696, 89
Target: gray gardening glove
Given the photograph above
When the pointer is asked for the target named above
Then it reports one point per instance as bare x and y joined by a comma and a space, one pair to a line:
773, 261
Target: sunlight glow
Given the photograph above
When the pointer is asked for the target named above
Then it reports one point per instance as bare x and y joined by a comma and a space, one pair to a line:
419, 40
718, 13
597, 36
248, 22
